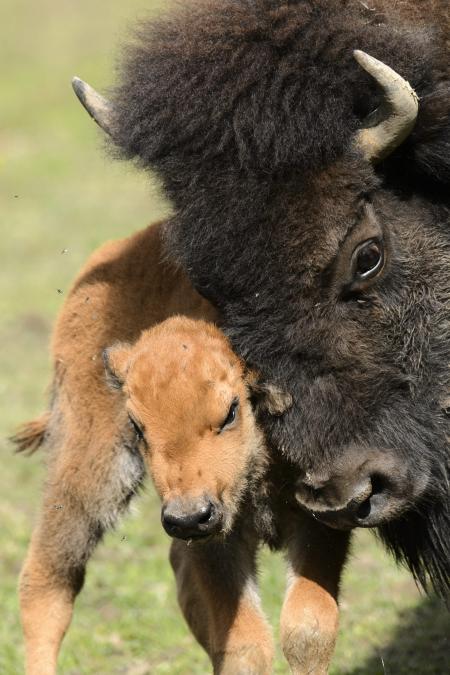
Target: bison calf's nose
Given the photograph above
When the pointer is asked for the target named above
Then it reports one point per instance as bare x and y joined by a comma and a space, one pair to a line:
185, 520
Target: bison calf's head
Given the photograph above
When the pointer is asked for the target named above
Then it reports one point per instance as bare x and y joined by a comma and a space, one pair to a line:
189, 412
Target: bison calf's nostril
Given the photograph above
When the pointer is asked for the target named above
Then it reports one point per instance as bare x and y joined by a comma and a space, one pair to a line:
205, 514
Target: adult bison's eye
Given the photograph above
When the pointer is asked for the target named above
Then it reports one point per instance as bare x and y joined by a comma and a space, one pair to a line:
136, 428
367, 260
231, 417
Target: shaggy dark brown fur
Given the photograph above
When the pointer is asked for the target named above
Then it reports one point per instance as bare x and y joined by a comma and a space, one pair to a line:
248, 110
268, 86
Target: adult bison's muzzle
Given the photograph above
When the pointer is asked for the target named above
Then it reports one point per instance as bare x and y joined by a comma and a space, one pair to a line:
366, 493
197, 518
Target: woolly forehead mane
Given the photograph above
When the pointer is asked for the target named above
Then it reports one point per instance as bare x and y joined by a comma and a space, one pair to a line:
254, 85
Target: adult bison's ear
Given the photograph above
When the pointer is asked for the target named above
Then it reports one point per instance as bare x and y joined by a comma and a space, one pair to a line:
116, 360
266, 396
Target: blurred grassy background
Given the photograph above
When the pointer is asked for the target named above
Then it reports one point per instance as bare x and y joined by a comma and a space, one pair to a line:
60, 197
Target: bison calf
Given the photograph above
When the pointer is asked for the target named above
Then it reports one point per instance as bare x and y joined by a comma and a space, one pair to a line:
188, 401
182, 411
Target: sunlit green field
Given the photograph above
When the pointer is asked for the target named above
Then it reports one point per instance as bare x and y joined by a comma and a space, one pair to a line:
60, 197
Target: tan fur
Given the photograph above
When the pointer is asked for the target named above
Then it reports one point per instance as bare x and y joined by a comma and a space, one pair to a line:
179, 388
126, 287
31, 435
179, 380
310, 615
309, 627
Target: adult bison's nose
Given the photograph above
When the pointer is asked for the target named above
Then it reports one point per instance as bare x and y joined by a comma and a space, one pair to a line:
191, 519
367, 497
368, 507
364, 487
359, 500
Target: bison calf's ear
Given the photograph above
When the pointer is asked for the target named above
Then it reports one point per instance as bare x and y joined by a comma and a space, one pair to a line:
268, 397
116, 360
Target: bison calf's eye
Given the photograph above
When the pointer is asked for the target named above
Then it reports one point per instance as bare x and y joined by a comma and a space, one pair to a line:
231, 417
368, 260
136, 428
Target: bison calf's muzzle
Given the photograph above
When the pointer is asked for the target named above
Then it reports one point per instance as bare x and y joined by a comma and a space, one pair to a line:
191, 519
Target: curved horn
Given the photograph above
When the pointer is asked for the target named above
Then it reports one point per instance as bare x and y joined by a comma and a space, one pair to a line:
388, 126
97, 106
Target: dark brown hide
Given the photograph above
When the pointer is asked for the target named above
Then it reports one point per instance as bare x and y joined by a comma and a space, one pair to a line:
248, 111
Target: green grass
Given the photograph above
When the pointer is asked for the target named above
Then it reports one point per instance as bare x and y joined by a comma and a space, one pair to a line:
58, 192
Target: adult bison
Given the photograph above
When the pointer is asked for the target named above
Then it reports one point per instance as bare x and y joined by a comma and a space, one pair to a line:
311, 209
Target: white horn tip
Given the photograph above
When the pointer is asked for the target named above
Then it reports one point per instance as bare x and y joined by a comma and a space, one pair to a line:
363, 58
373, 66
95, 104
84, 92
78, 86
397, 113
383, 73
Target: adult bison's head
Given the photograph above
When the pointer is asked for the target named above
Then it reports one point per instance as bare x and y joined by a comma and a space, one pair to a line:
313, 212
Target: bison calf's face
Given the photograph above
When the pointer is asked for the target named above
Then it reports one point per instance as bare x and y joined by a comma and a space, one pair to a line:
188, 408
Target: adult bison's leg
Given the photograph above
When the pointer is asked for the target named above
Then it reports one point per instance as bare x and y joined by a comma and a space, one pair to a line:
218, 596
84, 492
310, 615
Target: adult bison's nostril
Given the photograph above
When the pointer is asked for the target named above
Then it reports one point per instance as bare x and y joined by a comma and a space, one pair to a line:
364, 509
190, 520
373, 502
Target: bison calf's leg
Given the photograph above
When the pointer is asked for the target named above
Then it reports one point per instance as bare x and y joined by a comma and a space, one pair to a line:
52, 576
217, 594
84, 494
310, 615
46, 600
